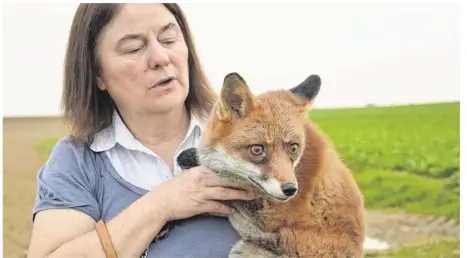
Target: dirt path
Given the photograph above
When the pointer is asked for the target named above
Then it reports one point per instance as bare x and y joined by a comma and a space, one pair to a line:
21, 165
398, 229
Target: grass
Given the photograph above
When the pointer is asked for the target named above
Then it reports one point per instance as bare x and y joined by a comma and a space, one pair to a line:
404, 157
44, 147
445, 248
421, 139
386, 189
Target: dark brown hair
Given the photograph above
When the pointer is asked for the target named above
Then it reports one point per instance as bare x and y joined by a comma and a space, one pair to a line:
87, 109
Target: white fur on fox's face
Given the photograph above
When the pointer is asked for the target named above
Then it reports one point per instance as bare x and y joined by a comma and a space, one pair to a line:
272, 187
217, 159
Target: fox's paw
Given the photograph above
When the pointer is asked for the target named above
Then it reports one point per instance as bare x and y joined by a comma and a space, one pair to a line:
244, 249
188, 158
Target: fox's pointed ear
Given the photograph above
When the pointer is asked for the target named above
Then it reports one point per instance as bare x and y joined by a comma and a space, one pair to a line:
235, 98
308, 89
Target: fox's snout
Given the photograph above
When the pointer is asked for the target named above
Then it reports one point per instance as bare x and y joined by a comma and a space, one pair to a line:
279, 180
289, 189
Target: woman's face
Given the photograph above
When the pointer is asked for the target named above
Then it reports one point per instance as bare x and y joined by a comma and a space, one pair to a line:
144, 60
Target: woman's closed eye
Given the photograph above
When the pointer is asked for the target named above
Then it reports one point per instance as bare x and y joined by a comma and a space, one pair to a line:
134, 49
169, 41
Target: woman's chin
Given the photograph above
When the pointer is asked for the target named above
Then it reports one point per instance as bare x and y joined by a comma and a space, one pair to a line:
166, 106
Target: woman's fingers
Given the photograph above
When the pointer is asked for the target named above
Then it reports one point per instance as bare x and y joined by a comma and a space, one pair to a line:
210, 179
217, 207
223, 193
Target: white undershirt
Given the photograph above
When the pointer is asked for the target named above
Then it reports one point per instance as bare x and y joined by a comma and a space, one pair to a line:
135, 163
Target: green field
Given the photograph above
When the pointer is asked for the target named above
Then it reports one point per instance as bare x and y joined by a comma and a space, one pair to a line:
404, 157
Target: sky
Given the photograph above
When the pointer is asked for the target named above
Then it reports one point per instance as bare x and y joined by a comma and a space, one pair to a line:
379, 54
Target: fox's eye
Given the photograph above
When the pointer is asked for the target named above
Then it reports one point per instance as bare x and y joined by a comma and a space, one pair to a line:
256, 149
293, 148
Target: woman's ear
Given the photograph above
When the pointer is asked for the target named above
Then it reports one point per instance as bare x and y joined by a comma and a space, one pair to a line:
100, 84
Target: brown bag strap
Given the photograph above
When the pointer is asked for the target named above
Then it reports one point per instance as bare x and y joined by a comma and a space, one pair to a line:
106, 242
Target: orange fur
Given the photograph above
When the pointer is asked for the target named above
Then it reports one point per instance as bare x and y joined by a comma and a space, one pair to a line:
326, 216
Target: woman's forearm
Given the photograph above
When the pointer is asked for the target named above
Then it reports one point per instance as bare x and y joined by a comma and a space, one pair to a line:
131, 231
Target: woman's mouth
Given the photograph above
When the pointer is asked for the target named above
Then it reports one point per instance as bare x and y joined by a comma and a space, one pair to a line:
164, 82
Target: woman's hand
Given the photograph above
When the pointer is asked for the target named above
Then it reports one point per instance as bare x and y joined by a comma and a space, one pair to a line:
198, 190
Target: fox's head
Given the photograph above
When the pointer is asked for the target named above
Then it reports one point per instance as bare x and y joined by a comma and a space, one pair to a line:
258, 140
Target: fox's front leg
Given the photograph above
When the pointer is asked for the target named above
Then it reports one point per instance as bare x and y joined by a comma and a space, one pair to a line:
245, 249
188, 158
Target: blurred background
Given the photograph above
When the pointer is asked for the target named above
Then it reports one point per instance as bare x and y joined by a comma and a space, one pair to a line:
389, 101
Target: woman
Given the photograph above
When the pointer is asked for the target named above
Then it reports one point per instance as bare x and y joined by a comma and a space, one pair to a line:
136, 96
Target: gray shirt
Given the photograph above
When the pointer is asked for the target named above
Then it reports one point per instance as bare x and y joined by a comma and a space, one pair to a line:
78, 178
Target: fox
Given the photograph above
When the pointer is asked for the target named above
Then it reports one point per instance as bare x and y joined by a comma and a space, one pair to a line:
309, 204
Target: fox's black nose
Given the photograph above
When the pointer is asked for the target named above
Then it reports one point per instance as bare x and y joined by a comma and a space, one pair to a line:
289, 189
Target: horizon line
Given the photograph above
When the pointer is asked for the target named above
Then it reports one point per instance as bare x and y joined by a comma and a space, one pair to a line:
312, 107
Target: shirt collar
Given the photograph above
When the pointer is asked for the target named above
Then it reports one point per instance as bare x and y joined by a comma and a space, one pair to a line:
119, 133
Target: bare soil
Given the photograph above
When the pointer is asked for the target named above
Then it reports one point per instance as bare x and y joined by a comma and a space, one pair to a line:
401, 228
21, 165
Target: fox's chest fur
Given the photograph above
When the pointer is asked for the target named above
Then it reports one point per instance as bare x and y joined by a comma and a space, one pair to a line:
310, 204
252, 226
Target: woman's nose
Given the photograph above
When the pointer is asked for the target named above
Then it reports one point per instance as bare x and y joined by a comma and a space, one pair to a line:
158, 55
